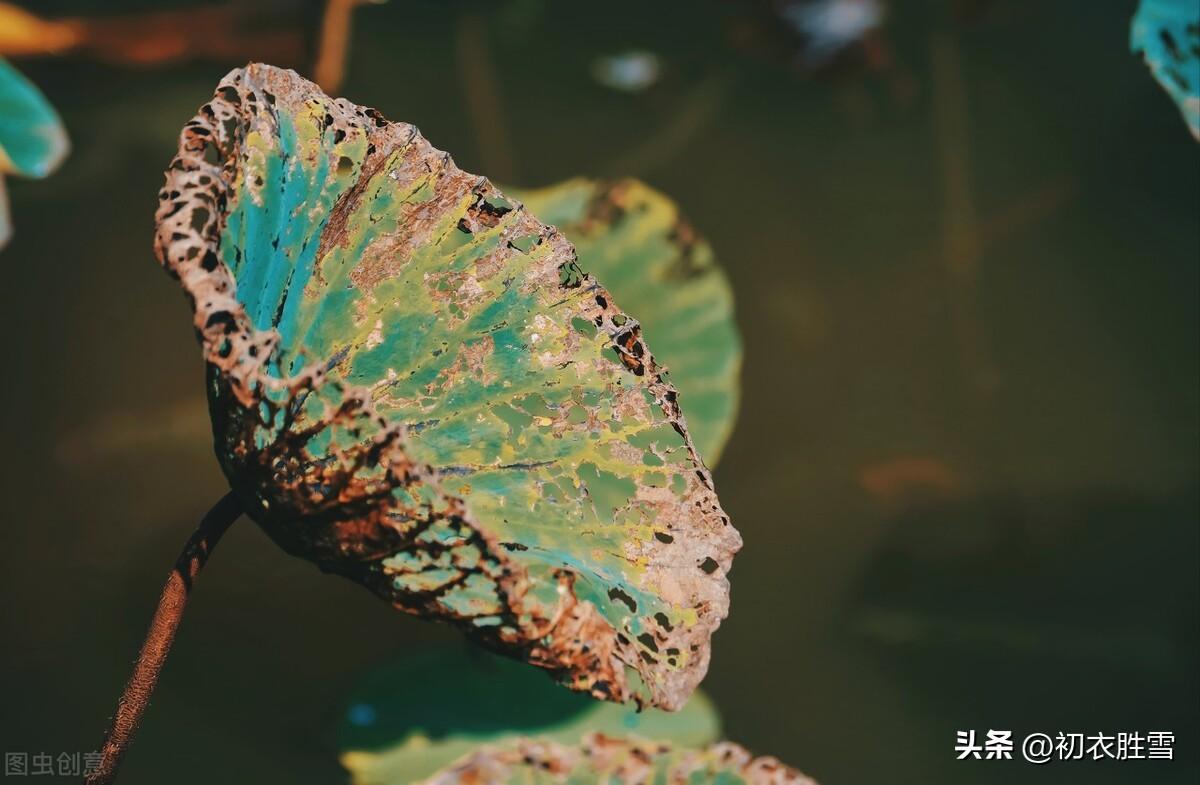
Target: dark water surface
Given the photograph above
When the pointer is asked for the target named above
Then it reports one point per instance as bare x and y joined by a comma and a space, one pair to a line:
966, 465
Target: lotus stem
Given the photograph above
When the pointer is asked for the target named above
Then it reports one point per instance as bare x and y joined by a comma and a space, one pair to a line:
159, 637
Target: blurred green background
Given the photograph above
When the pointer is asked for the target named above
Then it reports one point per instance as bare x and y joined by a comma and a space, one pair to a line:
966, 467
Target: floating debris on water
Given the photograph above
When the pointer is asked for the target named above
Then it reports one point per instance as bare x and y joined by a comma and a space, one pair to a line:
630, 72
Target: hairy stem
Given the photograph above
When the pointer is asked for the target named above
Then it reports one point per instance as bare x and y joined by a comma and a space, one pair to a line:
159, 637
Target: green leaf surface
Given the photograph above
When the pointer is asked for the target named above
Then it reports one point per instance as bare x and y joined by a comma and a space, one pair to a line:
405, 721
415, 385
634, 239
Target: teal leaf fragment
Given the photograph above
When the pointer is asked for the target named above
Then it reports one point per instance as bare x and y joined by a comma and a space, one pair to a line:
1166, 33
33, 141
414, 384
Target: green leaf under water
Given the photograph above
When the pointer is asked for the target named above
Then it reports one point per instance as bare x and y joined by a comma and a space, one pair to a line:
405, 721
600, 760
415, 385
634, 239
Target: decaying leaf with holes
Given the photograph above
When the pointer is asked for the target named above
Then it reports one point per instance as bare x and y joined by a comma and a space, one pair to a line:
607, 761
413, 384
33, 141
633, 239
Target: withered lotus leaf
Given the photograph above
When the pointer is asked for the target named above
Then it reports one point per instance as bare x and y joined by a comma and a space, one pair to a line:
413, 384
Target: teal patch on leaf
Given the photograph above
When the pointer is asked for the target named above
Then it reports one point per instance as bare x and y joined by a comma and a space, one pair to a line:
401, 392
634, 239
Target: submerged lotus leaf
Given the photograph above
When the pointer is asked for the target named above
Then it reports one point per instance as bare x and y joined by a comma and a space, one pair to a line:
32, 139
414, 384
603, 760
633, 239
405, 721
1166, 33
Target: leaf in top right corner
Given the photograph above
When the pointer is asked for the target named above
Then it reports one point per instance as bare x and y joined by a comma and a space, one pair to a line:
1166, 33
